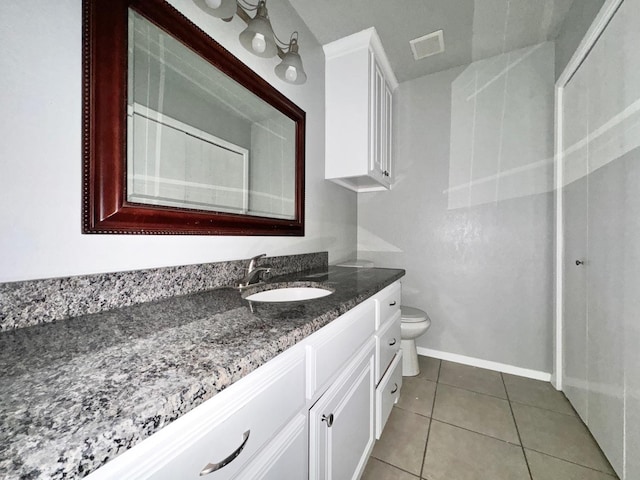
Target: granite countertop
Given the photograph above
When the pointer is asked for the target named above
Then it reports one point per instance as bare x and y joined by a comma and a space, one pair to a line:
76, 393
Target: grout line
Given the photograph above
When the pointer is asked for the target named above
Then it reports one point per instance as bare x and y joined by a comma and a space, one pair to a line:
411, 411
473, 431
612, 475
473, 391
433, 406
396, 467
526, 461
572, 415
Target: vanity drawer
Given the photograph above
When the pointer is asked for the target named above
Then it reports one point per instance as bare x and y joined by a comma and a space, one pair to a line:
387, 345
388, 303
286, 457
262, 414
388, 393
261, 403
331, 348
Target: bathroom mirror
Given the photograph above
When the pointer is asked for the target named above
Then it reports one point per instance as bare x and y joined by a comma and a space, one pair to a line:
180, 137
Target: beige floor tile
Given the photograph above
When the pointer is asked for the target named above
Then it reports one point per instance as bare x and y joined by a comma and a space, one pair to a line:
472, 378
417, 395
429, 368
537, 394
475, 411
559, 435
455, 453
403, 440
544, 467
377, 470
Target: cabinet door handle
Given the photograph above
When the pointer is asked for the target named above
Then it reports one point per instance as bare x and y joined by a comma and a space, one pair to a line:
395, 388
328, 419
579, 262
392, 303
392, 342
212, 467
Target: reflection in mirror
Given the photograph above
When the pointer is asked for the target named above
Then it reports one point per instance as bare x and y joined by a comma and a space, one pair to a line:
199, 140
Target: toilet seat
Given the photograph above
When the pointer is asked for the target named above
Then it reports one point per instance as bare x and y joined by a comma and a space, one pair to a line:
413, 315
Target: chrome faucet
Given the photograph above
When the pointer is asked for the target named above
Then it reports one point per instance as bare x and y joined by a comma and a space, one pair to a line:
253, 271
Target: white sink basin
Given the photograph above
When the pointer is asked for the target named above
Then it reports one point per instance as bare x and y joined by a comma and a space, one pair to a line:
289, 294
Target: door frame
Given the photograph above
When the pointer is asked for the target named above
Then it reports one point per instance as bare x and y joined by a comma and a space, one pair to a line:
602, 19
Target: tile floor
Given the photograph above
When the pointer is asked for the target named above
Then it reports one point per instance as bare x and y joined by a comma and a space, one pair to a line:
455, 422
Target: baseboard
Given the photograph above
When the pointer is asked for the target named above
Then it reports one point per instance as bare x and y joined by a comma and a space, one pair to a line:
489, 365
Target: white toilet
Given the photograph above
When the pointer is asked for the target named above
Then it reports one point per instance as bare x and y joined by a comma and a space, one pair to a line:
415, 322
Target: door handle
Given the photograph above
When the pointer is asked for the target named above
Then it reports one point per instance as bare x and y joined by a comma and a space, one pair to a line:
395, 388
579, 262
392, 303
392, 342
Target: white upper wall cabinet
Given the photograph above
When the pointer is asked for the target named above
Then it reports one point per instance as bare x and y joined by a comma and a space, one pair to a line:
359, 104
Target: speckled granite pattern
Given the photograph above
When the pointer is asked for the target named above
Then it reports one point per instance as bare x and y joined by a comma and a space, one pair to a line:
75, 393
28, 303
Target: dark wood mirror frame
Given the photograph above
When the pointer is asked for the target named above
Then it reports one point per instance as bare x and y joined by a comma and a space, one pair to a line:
104, 203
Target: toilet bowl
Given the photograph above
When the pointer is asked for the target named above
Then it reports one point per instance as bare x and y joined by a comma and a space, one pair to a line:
415, 322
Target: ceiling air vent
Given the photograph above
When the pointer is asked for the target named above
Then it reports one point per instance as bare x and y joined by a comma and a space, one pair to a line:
427, 45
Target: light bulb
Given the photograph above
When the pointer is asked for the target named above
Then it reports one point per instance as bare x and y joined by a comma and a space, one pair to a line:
291, 74
258, 43
213, 3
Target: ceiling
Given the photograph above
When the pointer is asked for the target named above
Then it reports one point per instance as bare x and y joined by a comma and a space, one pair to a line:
473, 29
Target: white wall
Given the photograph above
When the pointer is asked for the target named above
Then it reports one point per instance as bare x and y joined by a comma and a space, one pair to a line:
40, 154
470, 217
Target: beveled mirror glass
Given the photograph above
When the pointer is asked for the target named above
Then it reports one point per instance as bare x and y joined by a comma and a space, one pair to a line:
180, 136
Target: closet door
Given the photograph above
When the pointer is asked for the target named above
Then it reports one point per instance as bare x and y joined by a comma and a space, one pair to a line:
605, 70
575, 203
631, 260
601, 209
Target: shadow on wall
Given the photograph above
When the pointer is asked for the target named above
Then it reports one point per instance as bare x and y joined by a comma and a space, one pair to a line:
501, 144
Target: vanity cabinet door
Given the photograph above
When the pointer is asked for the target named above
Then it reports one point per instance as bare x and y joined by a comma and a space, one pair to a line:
341, 423
377, 135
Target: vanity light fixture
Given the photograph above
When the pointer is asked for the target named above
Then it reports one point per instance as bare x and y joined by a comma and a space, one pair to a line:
290, 69
259, 37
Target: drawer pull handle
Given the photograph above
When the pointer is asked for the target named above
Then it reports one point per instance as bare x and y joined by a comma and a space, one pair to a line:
328, 419
392, 342
212, 467
395, 388
392, 303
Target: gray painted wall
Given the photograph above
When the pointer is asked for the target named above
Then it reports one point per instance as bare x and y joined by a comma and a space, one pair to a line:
482, 270
575, 25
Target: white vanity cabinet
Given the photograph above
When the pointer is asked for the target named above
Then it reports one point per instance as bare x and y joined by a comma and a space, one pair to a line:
359, 105
312, 412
